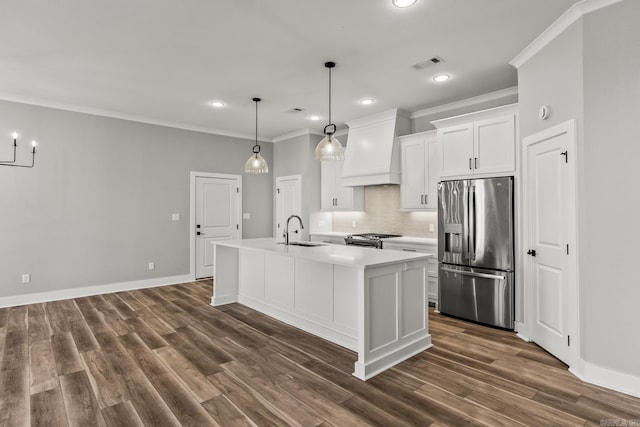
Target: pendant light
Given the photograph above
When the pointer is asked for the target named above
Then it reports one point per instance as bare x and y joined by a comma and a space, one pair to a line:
256, 163
329, 148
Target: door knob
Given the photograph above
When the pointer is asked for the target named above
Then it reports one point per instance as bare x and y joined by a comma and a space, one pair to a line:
531, 252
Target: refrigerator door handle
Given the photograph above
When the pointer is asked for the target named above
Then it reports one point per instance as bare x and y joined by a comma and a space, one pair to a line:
472, 223
465, 224
471, 273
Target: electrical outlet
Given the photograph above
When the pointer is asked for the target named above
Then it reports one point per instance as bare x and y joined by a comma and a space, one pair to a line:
152, 266
354, 224
246, 215
175, 217
432, 228
26, 278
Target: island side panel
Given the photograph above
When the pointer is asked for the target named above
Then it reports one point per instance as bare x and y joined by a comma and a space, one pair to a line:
393, 322
301, 293
225, 284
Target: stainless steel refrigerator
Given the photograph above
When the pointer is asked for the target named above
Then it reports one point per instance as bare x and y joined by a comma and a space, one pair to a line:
476, 250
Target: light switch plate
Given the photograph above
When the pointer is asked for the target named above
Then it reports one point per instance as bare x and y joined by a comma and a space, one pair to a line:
152, 266
432, 228
175, 217
246, 215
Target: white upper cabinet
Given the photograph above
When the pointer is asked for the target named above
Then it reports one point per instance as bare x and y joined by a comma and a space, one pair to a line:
333, 195
419, 163
478, 143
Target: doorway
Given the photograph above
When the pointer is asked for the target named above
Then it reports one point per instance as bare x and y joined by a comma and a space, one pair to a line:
216, 214
549, 178
288, 202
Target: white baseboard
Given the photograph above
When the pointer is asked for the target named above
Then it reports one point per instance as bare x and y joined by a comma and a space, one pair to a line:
608, 378
223, 299
521, 329
364, 371
61, 294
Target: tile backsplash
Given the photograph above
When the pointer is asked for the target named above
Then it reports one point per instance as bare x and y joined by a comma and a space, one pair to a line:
382, 215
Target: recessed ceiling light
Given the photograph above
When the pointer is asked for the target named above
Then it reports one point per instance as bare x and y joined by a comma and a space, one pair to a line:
366, 101
403, 3
441, 78
216, 104
314, 118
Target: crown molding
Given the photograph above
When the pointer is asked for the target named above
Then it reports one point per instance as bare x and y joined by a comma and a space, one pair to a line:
342, 132
574, 13
492, 96
294, 134
123, 116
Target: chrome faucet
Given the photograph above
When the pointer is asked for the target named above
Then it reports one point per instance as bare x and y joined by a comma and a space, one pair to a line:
286, 229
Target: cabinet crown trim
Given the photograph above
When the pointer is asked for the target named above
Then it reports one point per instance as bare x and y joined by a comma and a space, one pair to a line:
476, 116
425, 134
384, 116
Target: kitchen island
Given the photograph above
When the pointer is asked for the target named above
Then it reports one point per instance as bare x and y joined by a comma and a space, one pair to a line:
367, 300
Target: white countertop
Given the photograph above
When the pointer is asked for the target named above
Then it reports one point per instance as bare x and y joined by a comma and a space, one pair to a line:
403, 239
349, 256
329, 233
413, 240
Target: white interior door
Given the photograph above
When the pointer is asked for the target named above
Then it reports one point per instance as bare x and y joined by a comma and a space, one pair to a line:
217, 217
288, 202
550, 192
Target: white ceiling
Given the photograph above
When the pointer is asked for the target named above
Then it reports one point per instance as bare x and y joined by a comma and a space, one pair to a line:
162, 61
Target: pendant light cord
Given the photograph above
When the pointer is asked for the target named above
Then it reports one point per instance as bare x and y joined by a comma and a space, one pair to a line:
256, 100
329, 95
330, 65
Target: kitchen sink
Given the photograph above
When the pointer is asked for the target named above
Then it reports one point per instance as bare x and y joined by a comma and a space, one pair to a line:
307, 244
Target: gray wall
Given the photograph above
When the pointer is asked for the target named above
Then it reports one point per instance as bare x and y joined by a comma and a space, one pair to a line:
97, 207
295, 157
610, 289
591, 72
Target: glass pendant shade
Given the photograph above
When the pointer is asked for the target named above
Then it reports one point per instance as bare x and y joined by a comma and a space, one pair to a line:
329, 149
256, 164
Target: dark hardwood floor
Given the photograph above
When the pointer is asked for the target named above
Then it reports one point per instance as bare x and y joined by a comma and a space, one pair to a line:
164, 356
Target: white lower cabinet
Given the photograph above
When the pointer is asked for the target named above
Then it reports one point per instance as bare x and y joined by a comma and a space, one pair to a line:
432, 265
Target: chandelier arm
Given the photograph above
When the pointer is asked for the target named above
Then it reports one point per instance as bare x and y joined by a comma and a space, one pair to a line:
33, 162
12, 163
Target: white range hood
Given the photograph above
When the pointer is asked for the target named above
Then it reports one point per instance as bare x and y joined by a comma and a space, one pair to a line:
373, 150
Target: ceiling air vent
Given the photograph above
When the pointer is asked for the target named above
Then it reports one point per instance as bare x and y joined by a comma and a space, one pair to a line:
427, 63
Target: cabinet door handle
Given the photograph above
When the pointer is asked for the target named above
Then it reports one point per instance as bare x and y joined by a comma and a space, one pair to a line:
470, 163
422, 199
476, 162
426, 199
409, 250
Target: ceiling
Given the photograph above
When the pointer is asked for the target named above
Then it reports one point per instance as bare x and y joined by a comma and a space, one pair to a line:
162, 61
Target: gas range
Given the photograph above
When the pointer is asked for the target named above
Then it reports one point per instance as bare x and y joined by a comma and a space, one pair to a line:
373, 240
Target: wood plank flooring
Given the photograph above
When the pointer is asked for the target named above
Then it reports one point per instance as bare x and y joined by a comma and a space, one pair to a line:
164, 356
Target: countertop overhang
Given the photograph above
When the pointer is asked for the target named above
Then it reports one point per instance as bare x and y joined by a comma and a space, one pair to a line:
349, 256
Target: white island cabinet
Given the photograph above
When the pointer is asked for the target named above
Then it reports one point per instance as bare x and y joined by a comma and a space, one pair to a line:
367, 300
